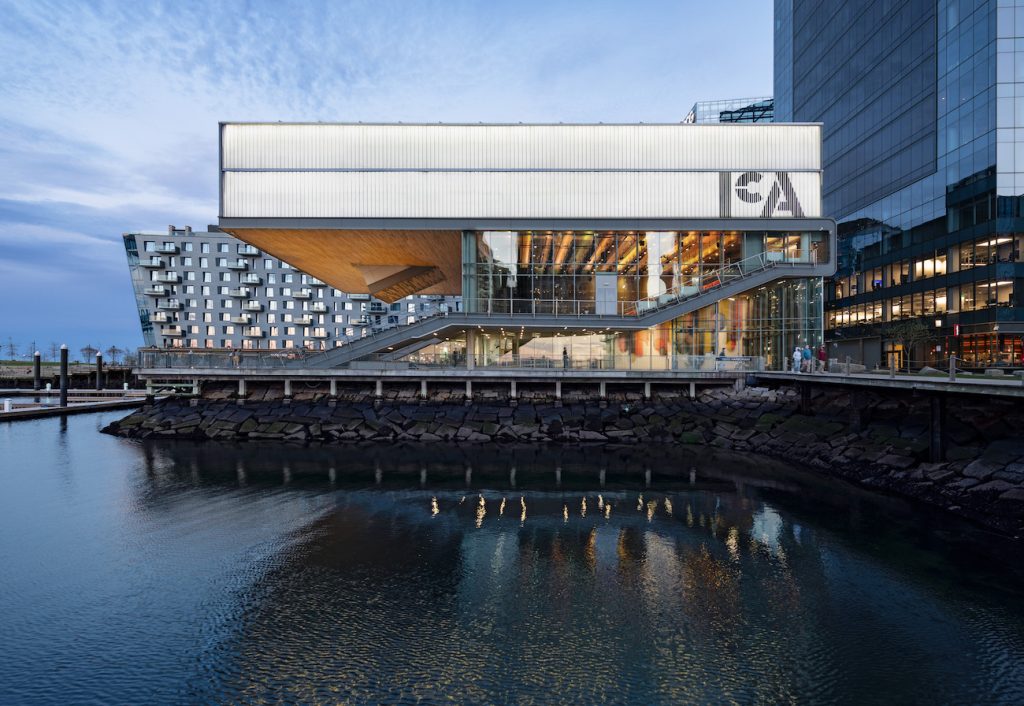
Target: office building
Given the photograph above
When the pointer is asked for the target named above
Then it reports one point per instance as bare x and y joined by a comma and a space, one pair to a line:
923, 127
651, 247
210, 290
736, 110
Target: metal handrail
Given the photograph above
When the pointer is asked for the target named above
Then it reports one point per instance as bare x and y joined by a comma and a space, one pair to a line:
707, 282
248, 359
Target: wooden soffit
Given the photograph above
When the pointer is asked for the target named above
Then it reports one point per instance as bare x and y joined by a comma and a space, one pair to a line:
390, 264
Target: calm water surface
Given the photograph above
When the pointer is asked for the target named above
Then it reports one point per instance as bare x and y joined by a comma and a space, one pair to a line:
181, 573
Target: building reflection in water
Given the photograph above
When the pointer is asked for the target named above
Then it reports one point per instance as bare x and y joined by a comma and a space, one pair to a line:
706, 586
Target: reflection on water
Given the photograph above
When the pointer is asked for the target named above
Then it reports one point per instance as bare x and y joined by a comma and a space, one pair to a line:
204, 573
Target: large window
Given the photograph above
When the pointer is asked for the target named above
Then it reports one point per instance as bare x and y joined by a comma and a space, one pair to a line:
606, 272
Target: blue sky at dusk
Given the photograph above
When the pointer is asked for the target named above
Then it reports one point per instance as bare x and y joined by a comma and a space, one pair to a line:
109, 111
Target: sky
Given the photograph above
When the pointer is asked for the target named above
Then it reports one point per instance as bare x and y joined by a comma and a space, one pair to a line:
109, 111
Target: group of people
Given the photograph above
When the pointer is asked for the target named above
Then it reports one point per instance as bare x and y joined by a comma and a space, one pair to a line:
807, 361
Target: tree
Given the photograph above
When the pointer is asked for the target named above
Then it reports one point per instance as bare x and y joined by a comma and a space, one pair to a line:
11, 348
112, 353
907, 333
130, 357
89, 353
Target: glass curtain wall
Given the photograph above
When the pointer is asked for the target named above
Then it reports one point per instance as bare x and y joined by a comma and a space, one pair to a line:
764, 324
610, 272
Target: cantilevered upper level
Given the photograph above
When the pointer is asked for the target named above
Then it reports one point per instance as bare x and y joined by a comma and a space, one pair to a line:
383, 209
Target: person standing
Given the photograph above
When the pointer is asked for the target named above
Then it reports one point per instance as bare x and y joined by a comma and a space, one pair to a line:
798, 359
565, 358
808, 359
822, 358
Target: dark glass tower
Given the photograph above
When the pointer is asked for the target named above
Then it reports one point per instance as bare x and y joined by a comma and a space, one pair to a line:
921, 137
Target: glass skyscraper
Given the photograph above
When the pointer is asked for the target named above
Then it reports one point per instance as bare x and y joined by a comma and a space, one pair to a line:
923, 157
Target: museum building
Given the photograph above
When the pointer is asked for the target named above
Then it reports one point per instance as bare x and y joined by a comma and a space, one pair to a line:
637, 246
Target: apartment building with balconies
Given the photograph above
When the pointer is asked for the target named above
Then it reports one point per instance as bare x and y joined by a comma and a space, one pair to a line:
207, 289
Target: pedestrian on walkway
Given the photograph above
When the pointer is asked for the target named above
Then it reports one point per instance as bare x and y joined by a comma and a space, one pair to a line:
808, 359
822, 358
798, 359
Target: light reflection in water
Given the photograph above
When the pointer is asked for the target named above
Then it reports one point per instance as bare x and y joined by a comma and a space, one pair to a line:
769, 587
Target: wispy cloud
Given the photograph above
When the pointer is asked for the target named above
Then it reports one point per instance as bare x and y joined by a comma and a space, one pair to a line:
109, 110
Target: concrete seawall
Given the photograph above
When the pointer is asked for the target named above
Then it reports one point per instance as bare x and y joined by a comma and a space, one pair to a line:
879, 441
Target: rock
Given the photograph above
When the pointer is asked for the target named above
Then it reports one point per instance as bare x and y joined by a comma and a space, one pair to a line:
587, 435
981, 470
993, 486
895, 461
1014, 495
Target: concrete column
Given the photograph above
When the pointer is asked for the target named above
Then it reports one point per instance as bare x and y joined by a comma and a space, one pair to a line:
241, 388
64, 375
805, 398
334, 387
558, 390
470, 349
378, 389
602, 390
937, 428
37, 371
287, 388
647, 390
99, 371
512, 390
423, 389
469, 390
693, 390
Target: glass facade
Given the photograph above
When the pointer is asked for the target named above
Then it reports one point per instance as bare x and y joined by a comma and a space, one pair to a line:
921, 127
752, 330
617, 273
736, 110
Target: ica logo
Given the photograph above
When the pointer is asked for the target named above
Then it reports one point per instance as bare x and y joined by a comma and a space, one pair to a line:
771, 193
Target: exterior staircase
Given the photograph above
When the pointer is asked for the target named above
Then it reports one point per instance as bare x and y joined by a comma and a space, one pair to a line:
726, 281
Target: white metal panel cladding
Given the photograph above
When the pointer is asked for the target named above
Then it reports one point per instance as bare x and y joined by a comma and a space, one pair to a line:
541, 195
754, 147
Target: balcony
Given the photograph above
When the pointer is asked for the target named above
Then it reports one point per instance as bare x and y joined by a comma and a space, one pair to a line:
170, 305
153, 263
238, 265
171, 277
248, 250
318, 307
376, 308
252, 306
159, 317
241, 319
243, 292
303, 294
171, 331
304, 320
316, 282
252, 279
361, 321
320, 333
359, 297
168, 249
253, 332
157, 290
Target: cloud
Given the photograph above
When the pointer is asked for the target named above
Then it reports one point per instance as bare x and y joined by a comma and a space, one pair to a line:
109, 109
